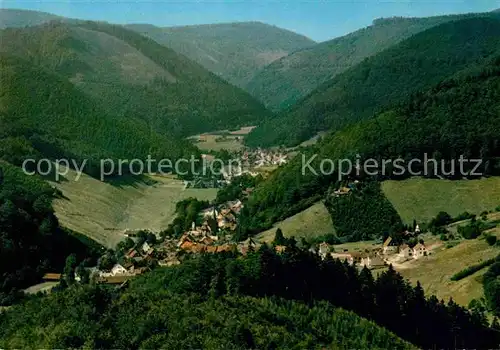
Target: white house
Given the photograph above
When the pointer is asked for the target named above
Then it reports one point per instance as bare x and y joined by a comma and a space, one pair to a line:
366, 261
419, 250
210, 213
116, 270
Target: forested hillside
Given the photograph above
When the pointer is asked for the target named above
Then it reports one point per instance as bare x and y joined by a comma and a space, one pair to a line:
287, 80
218, 301
234, 51
382, 80
134, 77
31, 241
458, 116
44, 116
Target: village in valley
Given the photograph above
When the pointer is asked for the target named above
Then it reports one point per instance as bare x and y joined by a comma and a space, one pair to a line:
142, 250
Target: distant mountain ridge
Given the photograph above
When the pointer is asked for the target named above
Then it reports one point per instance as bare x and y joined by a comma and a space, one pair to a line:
285, 81
11, 18
235, 51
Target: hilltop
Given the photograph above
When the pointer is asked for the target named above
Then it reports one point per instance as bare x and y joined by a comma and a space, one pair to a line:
234, 51
444, 122
285, 81
384, 80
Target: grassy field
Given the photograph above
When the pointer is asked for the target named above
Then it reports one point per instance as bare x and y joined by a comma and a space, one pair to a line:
233, 140
103, 211
434, 272
230, 143
314, 221
422, 199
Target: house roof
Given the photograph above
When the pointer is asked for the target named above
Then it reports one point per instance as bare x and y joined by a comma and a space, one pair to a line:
211, 249
117, 266
225, 248
187, 245
207, 240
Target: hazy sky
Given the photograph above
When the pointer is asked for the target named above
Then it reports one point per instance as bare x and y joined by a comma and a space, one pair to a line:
319, 20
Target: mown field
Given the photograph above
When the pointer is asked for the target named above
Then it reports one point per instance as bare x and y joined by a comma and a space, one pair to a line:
422, 199
434, 272
314, 221
103, 211
210, 143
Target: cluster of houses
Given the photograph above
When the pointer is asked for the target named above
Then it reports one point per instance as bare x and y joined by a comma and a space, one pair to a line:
404, 251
